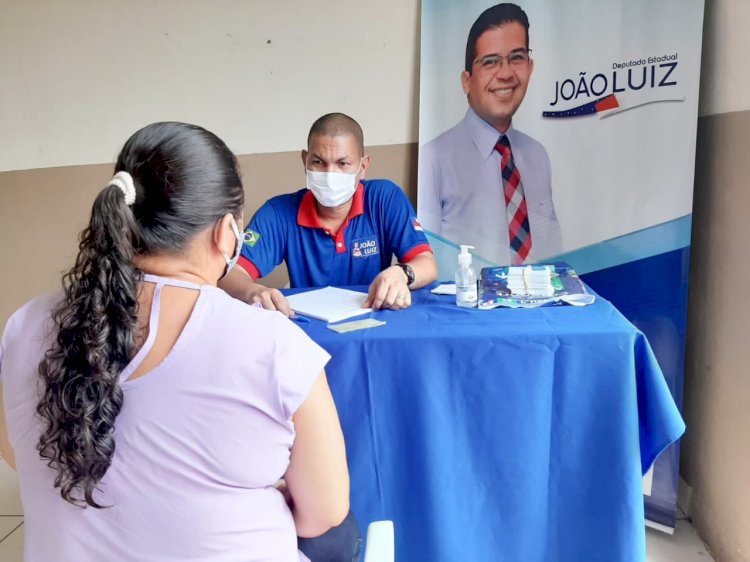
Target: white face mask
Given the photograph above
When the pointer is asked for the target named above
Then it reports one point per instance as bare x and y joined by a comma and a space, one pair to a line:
231, 262
332, 189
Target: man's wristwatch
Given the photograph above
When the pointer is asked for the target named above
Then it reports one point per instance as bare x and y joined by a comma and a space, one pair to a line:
408, 271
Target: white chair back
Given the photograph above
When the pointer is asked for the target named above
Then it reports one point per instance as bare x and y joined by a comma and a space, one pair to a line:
380, 542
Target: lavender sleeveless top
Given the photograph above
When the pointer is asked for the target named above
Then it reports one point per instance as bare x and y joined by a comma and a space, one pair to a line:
200, 441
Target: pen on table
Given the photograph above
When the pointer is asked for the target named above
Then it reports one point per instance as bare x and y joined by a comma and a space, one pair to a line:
300, 318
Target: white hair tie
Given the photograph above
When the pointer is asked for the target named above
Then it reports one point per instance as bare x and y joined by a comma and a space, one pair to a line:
124, 181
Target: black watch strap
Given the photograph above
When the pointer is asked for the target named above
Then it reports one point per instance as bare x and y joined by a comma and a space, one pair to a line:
410, 277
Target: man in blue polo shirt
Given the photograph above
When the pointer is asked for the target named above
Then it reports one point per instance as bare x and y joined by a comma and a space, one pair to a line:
339, 230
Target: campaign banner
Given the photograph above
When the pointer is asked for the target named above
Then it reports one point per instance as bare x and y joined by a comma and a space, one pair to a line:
566, 131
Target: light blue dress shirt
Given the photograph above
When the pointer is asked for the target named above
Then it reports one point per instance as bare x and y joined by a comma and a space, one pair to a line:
461, 190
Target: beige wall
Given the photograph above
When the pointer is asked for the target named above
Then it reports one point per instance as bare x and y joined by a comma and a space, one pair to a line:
79, 76
725, 70
716, 447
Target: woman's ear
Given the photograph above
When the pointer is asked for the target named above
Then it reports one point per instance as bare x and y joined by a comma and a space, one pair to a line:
224, 236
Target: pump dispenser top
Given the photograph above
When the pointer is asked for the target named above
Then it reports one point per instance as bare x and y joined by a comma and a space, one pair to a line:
464, 258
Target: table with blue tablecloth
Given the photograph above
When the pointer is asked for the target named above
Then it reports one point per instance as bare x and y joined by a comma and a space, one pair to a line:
501, 435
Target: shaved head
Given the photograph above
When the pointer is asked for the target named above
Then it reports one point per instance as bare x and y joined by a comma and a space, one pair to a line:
337, 125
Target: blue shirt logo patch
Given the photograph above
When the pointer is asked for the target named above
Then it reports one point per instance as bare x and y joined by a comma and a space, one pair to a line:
251, 237
365, 247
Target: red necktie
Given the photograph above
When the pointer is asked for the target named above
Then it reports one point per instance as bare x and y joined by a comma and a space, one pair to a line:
519, 232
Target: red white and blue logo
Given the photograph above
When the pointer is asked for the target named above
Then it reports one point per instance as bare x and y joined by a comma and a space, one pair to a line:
365, 247
415, 224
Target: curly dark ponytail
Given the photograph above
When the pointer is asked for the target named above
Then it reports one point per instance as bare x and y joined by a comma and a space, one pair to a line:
96, 326
186, 178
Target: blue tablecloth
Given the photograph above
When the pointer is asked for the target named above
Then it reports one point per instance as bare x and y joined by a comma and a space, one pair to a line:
501, 435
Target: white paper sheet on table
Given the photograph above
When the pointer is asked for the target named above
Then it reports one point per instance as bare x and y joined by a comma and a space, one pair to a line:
329, 304
445, 289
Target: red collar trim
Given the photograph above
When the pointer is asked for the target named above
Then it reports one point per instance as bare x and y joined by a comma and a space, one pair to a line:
307, 215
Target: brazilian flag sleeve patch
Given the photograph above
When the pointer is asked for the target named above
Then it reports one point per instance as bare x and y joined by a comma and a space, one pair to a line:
251, 237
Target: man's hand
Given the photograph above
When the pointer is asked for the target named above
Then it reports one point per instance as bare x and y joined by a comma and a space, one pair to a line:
241, 286
389, 290
270, 299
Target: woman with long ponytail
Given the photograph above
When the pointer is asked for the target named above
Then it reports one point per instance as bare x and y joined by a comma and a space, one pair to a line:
151, 416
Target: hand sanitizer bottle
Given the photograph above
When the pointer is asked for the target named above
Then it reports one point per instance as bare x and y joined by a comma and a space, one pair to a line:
466, 280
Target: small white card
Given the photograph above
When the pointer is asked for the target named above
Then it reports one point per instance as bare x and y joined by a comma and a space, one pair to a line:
444, 289
345, 327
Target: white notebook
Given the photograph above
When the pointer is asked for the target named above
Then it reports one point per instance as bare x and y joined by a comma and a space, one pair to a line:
330, 304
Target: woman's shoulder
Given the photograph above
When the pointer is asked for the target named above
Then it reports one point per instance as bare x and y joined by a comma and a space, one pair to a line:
235, 311
243, 322
25, 337
33, 315
265, 336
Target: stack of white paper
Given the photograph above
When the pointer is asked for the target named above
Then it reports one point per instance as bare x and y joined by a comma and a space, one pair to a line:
531, 280
330, 304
